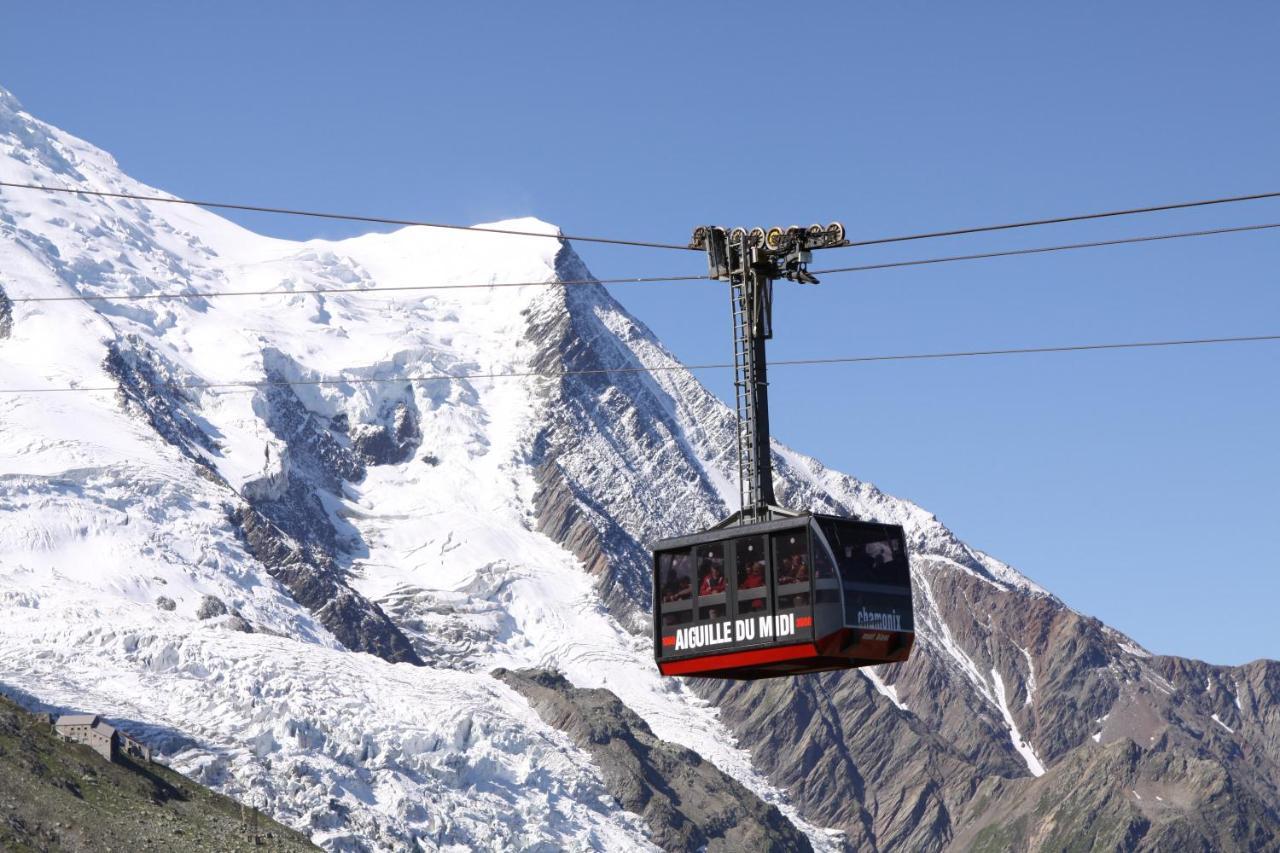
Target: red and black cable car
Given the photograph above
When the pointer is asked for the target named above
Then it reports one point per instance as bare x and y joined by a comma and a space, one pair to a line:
793, 595
769, 592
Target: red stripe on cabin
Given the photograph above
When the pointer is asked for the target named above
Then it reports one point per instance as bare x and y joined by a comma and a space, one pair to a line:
669, 641
732, 660
804, 621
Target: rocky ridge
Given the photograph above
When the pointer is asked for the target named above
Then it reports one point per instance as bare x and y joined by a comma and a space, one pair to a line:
688, 803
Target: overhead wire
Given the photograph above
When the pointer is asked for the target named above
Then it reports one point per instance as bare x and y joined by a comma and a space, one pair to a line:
1037, 250
655, 279
346, 217
795, 362
350, 217
642, 279
210, 294
1057, 220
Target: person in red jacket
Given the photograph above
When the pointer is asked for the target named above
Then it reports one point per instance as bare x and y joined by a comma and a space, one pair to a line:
712, 580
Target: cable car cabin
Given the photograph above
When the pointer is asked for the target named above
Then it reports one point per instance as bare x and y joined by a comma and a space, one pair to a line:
782, 597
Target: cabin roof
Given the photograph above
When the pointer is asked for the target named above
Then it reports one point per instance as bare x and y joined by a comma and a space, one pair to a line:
720, 534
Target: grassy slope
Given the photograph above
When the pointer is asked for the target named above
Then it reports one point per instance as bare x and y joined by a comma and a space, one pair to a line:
58, 796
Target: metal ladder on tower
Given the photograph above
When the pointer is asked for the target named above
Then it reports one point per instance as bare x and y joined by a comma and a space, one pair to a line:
750, 261
741, 315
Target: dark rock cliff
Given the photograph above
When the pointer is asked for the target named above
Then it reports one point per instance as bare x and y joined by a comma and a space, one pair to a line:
359, 624
159, 391
687, 802
6, 315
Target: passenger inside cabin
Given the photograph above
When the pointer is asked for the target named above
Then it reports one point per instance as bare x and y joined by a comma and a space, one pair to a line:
786, 573
712, 574
670, 586
753, 579
676, 588
794, 570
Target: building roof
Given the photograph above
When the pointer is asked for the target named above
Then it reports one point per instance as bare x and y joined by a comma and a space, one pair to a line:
104, 729
77, 720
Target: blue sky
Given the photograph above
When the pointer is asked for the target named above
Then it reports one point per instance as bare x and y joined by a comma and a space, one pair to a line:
1139, 486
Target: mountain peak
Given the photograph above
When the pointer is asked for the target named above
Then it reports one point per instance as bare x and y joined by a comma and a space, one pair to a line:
8, 101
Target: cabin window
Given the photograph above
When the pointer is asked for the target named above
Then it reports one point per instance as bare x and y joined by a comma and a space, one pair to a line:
791, 565
675, 588
875, 576
677, 577
869, 554
793, 619
752, 576
713, 582
826, 584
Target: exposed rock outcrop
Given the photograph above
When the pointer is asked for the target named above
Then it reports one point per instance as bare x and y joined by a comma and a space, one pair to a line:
391, 440
152, 386
614, 428
6, 315
315, 457
1122, 796
211, 606
687, 802
359, 624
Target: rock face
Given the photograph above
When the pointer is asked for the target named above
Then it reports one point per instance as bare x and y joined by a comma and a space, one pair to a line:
393, 439
211, 606
687, 803
617, 466
6, 315
155, 389
1121, 796
315, 459
356, 622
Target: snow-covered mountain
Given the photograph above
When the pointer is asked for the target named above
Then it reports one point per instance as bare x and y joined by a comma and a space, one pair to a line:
301, 591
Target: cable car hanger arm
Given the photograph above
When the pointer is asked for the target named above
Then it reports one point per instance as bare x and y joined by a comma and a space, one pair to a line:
750, 260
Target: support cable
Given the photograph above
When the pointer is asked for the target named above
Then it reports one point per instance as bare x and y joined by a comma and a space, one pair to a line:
1053, 220
1056, 220
641, 279
1038, 250
321, 291
795, 362
346, 217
